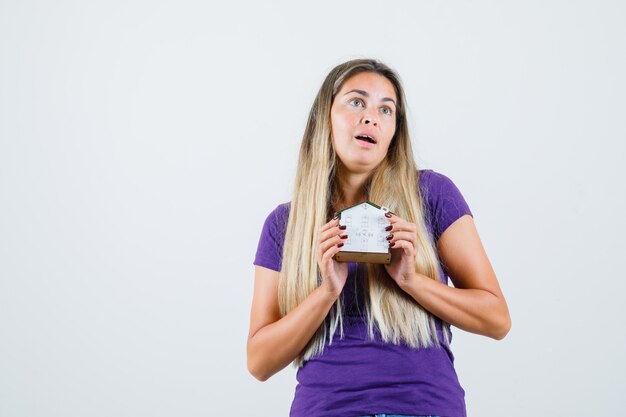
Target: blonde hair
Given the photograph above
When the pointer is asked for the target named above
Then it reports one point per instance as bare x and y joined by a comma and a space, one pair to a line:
394, 184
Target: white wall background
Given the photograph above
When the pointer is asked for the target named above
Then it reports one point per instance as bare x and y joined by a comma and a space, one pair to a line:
143, 143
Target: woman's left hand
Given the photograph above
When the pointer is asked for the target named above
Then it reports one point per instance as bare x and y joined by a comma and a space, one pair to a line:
402, 244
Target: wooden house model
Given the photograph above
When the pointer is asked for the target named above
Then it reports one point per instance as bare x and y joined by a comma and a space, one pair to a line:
367, 239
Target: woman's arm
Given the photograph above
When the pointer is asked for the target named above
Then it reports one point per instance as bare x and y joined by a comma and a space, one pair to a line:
476, 304
274, 342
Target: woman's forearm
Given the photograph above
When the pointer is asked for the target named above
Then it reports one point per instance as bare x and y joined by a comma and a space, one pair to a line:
473, 310
276, 345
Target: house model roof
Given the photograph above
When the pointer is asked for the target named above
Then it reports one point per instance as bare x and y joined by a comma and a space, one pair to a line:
365, 226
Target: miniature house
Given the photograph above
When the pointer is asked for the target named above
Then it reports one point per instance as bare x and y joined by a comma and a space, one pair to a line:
367, 239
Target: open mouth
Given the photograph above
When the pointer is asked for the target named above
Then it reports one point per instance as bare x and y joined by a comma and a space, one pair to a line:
365, 138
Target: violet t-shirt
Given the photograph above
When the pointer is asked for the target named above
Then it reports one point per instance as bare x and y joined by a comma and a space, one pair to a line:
355, 376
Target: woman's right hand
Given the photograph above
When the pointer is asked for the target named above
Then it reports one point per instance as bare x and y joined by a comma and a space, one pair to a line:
329, 242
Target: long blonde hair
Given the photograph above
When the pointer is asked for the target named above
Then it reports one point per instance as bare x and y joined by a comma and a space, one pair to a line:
394, 184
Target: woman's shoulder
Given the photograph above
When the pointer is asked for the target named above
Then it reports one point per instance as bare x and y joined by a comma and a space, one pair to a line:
282, 210
279, 215
432, 182
270, 247
429, 177
444, 201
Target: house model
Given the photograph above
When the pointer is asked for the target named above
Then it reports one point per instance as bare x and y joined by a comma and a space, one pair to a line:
367, 239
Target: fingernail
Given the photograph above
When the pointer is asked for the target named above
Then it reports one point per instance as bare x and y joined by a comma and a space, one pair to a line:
342, 227
388, 228
336, 217
391, 244
340, 245
390, 236
344, 236
388, 214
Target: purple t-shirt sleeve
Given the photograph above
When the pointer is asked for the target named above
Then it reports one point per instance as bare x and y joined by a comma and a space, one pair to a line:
445, 201
269, 252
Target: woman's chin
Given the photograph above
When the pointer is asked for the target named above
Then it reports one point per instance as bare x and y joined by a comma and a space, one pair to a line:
360, 165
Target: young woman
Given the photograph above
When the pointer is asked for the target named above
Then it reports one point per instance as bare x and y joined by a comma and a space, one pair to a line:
369, 338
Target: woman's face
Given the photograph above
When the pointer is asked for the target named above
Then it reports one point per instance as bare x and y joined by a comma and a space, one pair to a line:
364, 107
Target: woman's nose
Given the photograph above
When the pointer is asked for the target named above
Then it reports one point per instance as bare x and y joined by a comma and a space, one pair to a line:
369, 118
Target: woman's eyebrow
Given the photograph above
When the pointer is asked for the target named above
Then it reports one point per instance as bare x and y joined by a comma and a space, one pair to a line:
366, 94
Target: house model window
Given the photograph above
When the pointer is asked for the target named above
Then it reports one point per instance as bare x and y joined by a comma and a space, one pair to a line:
367, 239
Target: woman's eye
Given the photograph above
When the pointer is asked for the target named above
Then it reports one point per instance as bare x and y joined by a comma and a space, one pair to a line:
387, 111
357, 102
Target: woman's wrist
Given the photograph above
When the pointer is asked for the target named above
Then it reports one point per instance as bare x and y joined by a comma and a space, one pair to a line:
411, 283
329, 297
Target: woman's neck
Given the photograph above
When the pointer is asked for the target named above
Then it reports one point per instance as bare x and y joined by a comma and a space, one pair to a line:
352, 187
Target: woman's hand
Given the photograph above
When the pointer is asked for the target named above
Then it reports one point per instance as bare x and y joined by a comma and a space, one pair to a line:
330, 241
402, 244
